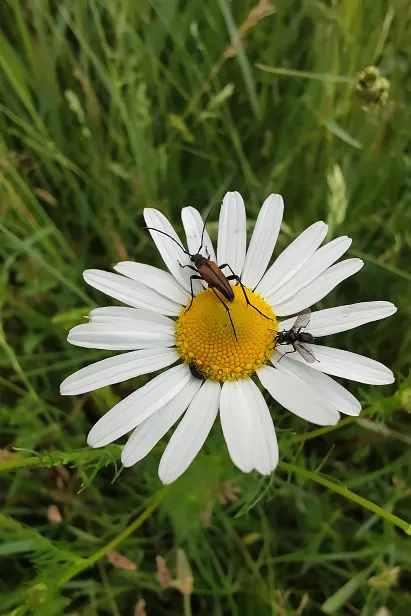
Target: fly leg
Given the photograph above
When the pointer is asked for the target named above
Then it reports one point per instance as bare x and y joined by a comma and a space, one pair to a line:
226, 308
238, 279
288, 353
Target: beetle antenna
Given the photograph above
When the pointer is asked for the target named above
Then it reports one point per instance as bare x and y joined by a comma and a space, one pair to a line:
164, 233
205, 222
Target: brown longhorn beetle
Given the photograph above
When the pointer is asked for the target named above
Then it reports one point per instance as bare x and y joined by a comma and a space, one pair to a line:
211, 273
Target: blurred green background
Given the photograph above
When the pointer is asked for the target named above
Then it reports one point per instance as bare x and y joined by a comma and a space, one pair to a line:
108, 106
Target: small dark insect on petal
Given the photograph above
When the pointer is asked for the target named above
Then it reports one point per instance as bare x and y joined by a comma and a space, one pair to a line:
196, 372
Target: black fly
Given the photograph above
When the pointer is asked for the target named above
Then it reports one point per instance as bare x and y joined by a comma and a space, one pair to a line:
296, 338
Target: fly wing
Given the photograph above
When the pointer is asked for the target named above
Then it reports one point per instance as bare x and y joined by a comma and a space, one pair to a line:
305, 352
302, 320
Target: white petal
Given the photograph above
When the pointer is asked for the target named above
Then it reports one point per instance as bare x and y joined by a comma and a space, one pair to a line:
138, 406
263, 240
342, 399
297, 397
131, 292
148, 433
170, 252
117, 369
110, 314
232, 232
348, 365
318, 288
265, 447
194, 226
323, 258
126, 335
154, 278
191, 433
342, 318
236, 416
292, 258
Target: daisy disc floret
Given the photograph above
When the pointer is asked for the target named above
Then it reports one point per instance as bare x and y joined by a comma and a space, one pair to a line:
170, 318
205, 337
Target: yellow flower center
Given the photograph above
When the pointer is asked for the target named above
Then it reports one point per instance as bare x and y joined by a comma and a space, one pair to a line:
205, 336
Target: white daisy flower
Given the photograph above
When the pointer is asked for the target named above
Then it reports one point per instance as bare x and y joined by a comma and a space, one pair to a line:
160, 328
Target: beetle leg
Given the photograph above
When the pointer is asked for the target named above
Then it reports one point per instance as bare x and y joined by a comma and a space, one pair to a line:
191, 289
225, 265
190, 266
227, 310
238, 279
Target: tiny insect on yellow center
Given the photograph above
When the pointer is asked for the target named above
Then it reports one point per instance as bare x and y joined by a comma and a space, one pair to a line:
206, 338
